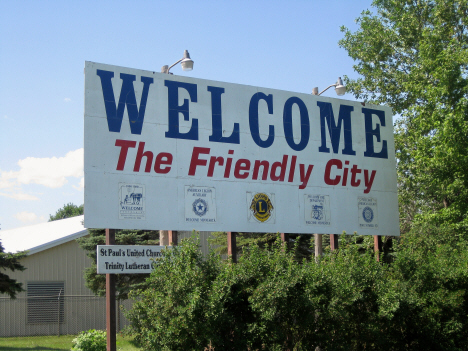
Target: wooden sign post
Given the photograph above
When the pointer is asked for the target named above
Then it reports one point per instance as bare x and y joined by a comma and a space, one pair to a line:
377, 246
110, 300
232, 249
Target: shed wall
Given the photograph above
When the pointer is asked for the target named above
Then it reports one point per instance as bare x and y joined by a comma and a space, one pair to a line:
64, 262
82, 310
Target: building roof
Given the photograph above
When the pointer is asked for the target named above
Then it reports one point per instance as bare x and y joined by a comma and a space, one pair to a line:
43, 236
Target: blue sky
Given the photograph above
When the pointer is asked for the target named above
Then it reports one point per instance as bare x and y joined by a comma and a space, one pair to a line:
287, 45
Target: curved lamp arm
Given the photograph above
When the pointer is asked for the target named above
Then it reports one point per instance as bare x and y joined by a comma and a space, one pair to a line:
339, 88
174, 65
187, 64
324, 90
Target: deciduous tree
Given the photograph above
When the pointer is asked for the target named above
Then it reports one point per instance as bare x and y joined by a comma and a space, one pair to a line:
67, 211
263, 240
270, 301
413, 56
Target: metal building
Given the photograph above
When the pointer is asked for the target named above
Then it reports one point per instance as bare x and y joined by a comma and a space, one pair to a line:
56, 300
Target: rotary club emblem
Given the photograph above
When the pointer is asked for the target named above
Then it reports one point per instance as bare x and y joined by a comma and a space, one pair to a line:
368, 214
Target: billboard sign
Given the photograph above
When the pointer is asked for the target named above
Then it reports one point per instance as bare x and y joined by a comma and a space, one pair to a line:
179, 153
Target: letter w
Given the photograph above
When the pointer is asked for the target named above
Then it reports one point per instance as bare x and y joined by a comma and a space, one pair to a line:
334, 131
127, 98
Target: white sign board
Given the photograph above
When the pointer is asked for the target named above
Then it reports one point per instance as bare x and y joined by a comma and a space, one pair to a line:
126, 259
178, 153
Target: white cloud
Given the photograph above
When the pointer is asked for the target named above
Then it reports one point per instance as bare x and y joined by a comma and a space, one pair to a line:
11, 188
50, 172
20, 196
67, 100
80, 186
26, 216
29, 217
5, 179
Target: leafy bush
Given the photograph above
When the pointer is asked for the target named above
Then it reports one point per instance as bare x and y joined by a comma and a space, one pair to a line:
171, 313
91, 340
270, 301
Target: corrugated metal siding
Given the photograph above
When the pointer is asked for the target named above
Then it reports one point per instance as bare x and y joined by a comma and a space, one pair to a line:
12, 317
82, 311
67, 262
64, 262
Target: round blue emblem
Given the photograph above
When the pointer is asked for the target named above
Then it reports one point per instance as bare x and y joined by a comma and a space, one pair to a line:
200, 207
368, 214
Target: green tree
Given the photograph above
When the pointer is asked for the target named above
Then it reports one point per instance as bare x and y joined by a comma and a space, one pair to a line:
124, 282
425, 302
271, 301
10, 261
265, 241
413, 56
243, 240
67, 211
171, 312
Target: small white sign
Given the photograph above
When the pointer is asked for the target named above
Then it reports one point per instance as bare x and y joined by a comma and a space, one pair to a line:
261, 207
200, 204
131, 201
367, 213
317, 210
128, 259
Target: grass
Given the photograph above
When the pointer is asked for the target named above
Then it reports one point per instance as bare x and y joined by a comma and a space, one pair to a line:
55, 343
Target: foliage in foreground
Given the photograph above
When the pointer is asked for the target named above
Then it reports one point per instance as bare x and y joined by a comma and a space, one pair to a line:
91, 340
10, 261
269, 300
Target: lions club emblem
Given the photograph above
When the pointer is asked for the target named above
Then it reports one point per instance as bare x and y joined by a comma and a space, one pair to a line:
261, 207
